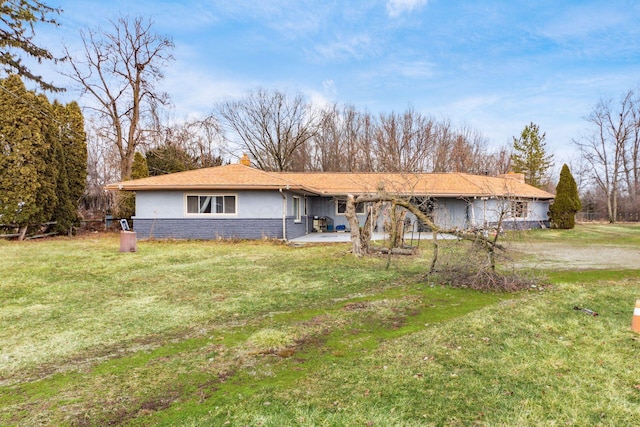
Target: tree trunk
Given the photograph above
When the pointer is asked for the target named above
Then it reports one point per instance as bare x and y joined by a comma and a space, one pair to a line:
365, 233
434, 260
23, 232
489, 245
396, 232
354, 225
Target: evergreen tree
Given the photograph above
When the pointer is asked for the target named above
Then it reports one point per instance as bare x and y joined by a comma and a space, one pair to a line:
139, 168
71, 158
24, 154
47, 194
567, 203
43, 158
169, 158
76, 151
16, 36
530, 157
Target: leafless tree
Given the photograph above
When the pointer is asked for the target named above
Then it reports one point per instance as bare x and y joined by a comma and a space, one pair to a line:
475, 268
201, 140
605, 147
488, 242
209, 145
329, 141
440, 158
470, 154
285, 134
496, 163
119, 69
631, 155
403, 142
270, 126
461, 150
102, 169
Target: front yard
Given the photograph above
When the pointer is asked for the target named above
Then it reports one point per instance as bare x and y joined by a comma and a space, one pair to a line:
260, 333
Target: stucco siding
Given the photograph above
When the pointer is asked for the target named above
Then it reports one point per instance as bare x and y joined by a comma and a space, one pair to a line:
539, 210
450, 213
160, 204
486, 213
172, 204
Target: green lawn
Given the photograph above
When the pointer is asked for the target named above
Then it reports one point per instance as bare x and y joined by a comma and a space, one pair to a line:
263, 334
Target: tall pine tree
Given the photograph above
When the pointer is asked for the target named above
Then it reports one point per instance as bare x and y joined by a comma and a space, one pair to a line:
567, 203
24, 157
169, 158
71, 157
43, 157
47, 196
529, 156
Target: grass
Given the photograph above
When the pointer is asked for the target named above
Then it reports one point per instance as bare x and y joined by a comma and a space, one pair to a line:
259, 333
584, 234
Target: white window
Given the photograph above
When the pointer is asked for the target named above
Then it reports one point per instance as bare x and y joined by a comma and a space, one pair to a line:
296, 209
211, 204
341, 207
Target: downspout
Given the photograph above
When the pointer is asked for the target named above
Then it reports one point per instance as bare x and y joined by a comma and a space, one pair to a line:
284, 214
306, 217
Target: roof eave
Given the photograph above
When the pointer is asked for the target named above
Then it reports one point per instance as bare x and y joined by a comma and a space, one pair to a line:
199, 187
336, 193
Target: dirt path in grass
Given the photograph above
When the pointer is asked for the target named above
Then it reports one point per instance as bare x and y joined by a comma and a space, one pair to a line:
567, 257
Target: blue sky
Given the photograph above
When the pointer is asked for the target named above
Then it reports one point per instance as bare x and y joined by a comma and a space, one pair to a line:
493, 65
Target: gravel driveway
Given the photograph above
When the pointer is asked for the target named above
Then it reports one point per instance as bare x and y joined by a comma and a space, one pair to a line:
561, 257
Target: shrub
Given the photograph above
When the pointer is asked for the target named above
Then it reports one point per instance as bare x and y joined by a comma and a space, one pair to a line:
563, 211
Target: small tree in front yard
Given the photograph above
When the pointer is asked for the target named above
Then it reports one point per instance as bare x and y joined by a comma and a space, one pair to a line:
477, 273
567, 203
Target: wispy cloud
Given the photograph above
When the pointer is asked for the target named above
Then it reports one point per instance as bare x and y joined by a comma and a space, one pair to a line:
583, 20
595, 32
290, 18
475, 103
401, 72
357, 46
413, 69
396, 7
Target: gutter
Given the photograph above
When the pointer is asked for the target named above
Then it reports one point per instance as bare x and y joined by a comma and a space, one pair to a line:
127, 186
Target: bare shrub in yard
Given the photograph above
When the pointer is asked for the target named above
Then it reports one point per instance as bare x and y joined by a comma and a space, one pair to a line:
468, 267
461, 276
475, 268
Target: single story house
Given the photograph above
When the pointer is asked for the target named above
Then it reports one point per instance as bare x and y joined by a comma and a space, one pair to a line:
239, 201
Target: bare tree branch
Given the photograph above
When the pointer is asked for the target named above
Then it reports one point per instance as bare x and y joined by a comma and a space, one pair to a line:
271, 126
119, 70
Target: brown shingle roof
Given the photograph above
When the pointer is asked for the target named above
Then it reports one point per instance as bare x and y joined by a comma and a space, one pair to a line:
240, 177
232, 177
433, 184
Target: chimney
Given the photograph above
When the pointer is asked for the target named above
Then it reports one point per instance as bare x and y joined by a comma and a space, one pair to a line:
244, 160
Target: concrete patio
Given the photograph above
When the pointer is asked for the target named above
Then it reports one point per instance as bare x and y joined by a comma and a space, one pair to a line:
338, 237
